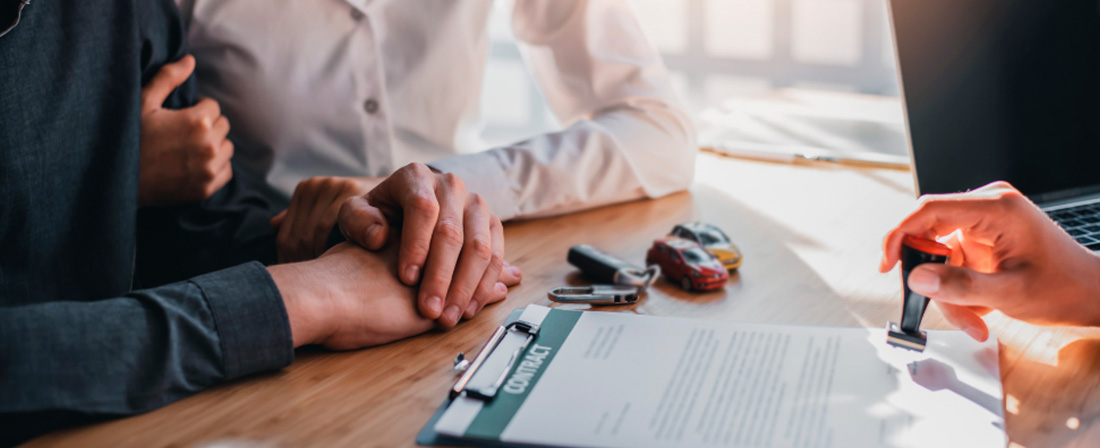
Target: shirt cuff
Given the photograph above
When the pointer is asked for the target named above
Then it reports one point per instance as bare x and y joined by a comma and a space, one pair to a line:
250, 317
483, 174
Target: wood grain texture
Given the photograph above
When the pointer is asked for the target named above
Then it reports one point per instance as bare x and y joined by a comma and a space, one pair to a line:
811, 239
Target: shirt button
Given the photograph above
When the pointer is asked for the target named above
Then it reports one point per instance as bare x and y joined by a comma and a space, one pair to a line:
371, 106
356, 14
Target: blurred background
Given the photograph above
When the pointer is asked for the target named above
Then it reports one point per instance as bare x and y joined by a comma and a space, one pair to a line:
717, 50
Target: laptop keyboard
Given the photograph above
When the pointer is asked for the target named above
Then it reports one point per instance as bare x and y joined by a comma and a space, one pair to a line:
1082, 222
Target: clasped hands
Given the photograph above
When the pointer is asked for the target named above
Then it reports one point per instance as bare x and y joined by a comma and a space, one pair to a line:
449, 244
422, 251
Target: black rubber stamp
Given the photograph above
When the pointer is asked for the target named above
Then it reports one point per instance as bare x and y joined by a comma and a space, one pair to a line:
914, 252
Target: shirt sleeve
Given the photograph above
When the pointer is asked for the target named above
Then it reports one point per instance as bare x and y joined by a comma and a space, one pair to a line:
67, 362
626, 135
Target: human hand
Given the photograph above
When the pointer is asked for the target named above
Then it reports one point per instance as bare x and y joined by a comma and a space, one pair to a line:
184, 153
351, 298
448, 238
304, 227
1007, 255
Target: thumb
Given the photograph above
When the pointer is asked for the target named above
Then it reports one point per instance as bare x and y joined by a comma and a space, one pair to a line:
962, 286
363, 223
277, 221
166, 80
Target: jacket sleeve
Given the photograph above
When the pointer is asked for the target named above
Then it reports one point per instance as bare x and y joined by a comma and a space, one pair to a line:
63, 363
229, 228
626, 135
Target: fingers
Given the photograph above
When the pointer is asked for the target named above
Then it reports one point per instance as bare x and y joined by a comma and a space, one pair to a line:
510, 275
362, 223
931, 220
316, 207
208, 112
965, 287
490, 289
974, 212
420, 211
220, 130
289, 246
222, 167
277, 220
165, 81
476, 259
447, 240
311, 198
324, 215
223, 176
966, 320
282, 239
225, 152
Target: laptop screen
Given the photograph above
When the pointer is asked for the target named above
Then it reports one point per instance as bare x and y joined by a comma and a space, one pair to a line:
1002, 90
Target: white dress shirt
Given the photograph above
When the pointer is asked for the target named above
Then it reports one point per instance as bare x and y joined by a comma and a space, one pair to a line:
362, 87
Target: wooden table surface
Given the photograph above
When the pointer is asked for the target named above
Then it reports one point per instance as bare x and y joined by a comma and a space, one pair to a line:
811, 239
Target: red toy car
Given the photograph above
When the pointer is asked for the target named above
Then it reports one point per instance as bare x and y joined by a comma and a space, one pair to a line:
687, 263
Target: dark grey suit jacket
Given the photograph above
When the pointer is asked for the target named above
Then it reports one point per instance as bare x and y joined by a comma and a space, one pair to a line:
79, 340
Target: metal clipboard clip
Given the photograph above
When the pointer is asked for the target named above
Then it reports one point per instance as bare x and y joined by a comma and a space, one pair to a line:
487, 392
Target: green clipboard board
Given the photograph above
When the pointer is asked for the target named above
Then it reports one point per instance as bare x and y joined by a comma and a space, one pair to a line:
429, 437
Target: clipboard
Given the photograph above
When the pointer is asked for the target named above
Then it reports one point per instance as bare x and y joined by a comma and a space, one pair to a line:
482, 390
427, 435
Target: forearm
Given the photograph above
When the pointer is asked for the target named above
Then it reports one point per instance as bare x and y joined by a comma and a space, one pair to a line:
627, 137
131, 354
641, 148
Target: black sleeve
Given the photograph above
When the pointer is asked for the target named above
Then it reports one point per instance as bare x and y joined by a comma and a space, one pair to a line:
64, 363
229, 228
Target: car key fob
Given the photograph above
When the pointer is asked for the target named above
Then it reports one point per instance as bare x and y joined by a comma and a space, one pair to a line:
606, 268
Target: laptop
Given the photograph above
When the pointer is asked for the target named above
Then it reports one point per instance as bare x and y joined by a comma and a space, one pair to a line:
1005, 90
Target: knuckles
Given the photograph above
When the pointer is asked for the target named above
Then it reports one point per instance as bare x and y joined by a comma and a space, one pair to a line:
496, 262
208, 150
479, 203
206, 174
423, 202
453, 182
216, 108
200, 124
348, 188
448, 232
328, 183
415, 170
479, 247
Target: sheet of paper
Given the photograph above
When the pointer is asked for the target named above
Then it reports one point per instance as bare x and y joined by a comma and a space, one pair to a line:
620, 380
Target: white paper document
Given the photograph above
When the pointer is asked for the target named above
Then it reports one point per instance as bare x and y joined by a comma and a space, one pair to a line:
619, 380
